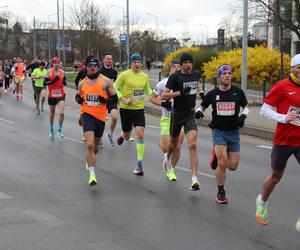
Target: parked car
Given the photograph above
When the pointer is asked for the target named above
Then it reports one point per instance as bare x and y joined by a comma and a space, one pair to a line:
158, 64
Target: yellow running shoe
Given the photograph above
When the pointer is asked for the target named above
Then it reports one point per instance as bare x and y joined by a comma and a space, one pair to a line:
171, 176
86, 166
92, 179
261, 214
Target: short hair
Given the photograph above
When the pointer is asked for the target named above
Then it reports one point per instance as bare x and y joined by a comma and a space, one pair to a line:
107, 54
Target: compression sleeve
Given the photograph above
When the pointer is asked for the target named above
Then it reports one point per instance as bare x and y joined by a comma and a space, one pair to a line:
245, 111
148, 90
269, 112
117, 88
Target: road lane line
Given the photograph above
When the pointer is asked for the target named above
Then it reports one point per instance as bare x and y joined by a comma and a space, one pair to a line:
7, 121
263, 146
200, 173
73, 140
151, 126
4, 196
44, 218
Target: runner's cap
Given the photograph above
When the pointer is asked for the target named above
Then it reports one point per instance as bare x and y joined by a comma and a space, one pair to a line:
222, 68
135, 57
295, 60
55, 60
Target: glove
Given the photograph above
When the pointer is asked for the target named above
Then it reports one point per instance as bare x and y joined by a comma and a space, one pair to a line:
112, 99
56, 78
199, 114
201, 94
79, 99
102, 99
185, 91
167, 105
241, 121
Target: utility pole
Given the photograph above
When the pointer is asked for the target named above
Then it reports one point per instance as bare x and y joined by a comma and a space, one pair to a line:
63, 34
58, 34
245, 48
34, 38
128, 40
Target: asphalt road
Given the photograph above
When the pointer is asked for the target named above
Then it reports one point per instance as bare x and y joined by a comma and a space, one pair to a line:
45, 202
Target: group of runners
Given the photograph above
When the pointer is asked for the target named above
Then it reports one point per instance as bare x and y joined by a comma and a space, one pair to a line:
100, 90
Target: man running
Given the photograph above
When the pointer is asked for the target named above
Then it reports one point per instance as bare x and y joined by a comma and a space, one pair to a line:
226, 101
94, 92
38, 75
165, 122
282, 105
30, 68
131, 87
112, 108
183, 86
7, 79
56, 80
2, 77
19, 77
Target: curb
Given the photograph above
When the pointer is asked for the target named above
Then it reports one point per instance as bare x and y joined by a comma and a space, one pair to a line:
247, 130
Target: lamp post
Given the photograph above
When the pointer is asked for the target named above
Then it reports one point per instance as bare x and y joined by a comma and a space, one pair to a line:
127, 24
58, 35
156, 17
123, 26
185, 38
245, 47
49, 38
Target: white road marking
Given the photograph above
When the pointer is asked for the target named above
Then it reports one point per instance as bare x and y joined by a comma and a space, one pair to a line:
4, 196
44, 218
263, 146
73, 140
151, 126
8, 121
200, 173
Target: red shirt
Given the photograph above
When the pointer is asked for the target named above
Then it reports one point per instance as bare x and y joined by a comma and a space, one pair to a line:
283, 95
56, 89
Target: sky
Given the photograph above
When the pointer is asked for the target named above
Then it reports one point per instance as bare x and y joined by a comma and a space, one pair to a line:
197, 19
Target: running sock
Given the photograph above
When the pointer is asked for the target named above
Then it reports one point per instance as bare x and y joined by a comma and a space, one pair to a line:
140, 149
51, 126
220, 188
92, 170
194, 178
59, 126
262, 203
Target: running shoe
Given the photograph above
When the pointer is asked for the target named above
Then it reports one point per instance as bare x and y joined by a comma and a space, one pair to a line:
139, 169
51, 134
171, 176
111, 140
37, 111
297, 226
261, 212
166, 163
131, 139
86, 166
195, 186
60, 134
92, 179
42, 107
17, 97
213, 161
21, 97
120, 140
221, 198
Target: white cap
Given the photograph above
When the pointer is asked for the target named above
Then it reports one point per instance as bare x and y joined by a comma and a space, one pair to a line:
295, 60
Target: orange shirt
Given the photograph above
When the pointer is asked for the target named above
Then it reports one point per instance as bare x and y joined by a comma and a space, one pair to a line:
19, 69
91, 94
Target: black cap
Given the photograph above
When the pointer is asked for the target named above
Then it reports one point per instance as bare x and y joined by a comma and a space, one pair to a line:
186, 57
93, 60
42, 64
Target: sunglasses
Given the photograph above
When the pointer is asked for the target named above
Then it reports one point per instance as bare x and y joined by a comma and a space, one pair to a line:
92, 64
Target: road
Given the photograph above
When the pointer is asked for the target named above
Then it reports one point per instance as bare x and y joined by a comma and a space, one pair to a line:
46, 203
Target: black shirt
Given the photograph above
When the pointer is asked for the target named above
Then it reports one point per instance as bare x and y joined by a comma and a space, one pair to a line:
31, 67
81, 75
225, 107
178, 81
109, 73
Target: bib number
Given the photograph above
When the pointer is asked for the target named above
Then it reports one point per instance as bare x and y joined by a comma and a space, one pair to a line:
92, 100
297, 110
56, 93
225, 108
138, 94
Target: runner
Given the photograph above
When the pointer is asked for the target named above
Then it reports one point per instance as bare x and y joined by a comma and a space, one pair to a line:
165, 122
2, 77
183, 87
131, 86
19, 77
282, 105
56, 81
112, 108
226, 101
94, 92
38, 75
6, 70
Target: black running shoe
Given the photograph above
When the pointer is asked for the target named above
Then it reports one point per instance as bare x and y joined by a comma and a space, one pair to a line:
221, 198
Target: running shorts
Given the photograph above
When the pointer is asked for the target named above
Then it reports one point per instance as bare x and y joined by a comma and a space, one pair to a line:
90, 123
230, 139
131, 118
280, 155
54, 101
182, 118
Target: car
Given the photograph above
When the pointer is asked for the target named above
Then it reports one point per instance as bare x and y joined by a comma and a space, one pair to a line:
158, 64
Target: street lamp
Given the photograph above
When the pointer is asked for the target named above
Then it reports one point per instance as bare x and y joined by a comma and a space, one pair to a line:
49, 39
58, 35
156, 17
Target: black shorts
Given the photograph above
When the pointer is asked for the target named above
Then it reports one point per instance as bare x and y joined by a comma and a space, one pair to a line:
281, 154
38, 90
111, 106
54, 101
132, 117
182, 118
90, 123
1, 84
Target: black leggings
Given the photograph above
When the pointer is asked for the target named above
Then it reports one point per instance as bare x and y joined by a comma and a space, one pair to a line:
6, 82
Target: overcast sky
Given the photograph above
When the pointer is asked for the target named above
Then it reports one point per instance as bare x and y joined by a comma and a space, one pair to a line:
200, 18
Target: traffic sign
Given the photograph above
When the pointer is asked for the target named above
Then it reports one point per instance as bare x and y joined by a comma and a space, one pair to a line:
123, 38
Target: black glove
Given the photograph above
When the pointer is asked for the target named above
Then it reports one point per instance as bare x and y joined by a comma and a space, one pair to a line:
167, 105
199, 114
241, 120
185, 91
102, 99
201, 94
112, 99
56, 78
79, 99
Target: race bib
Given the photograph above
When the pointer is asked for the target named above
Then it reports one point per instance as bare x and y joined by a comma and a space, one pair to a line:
297, 110
92, 100
56, 93
138, 94
192, 85
225, 108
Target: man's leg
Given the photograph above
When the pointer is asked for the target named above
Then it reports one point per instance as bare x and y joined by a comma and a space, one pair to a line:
90, 156
113, 123
140, 149
61, 106
52, 114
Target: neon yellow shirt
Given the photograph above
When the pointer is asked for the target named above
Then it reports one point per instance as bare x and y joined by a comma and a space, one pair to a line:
133, 86
40, 74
